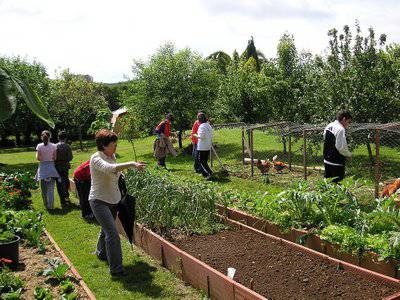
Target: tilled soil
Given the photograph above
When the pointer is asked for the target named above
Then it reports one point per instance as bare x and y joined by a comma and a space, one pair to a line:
277, 271
31, 262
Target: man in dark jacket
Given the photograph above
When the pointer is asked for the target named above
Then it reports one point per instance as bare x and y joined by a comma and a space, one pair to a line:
62, 163
336, 151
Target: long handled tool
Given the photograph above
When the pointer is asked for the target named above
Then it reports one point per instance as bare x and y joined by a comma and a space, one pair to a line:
223, 169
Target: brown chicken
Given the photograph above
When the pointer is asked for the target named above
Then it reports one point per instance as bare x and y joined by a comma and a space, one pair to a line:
278, 165
263, 166
390, 189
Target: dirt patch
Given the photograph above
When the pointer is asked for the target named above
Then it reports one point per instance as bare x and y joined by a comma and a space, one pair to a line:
278, 272
31, 262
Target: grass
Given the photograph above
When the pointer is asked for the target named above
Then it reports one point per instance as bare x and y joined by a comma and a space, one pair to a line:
147, 280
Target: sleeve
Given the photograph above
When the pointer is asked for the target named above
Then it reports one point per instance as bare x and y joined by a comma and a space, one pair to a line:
341, 144
103, 166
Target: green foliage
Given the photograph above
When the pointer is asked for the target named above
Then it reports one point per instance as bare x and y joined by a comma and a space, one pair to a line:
10, 285
42, 293
15, 190
56, 270
347, 237
181, 82
103, 117
166, 204
75, 100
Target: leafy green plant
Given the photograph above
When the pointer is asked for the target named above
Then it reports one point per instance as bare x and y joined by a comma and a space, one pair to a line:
166, 204
10, 285
6, 237
57, 270
348, 238
42, 293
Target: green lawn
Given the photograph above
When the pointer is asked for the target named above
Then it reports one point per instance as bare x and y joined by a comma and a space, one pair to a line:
147, 280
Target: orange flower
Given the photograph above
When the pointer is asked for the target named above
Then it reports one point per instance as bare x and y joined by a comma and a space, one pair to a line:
11, 194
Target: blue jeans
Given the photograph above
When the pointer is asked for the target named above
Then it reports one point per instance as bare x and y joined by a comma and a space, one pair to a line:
47, 187
109, 243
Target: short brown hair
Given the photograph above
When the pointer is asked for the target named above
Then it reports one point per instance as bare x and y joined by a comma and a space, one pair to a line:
105, 137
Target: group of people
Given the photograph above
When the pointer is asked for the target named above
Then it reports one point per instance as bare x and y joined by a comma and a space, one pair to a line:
201, 137
54, 164
98, 179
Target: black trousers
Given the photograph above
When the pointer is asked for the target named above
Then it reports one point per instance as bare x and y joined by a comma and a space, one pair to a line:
83, 189
63, 184
203, 159
336, 172
195, 156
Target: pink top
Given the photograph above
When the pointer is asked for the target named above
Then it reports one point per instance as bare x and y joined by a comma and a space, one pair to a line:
46, 153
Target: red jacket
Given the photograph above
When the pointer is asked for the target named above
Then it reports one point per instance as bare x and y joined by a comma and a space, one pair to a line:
82, 173
195, 129
164, 127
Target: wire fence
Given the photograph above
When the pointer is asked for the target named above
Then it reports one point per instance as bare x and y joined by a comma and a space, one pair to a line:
375, 147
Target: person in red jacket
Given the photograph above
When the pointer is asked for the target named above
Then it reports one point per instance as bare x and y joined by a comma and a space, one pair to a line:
194, 139
82, 181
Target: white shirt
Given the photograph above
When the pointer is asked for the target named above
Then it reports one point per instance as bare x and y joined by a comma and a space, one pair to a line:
104, 179
205, 137
341, 143
46, 153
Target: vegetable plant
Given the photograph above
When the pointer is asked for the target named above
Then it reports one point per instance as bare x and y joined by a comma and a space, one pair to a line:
42, 293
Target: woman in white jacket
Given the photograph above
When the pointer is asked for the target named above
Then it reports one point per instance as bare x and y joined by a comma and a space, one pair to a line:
204, 144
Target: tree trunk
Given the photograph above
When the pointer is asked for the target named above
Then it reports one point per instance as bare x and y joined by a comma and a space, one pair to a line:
180, 139
80, 137
18, 138
134, 150
27, 138
370, 155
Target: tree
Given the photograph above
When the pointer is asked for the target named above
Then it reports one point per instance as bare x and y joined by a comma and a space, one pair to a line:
75, 101
21, 83
181, 82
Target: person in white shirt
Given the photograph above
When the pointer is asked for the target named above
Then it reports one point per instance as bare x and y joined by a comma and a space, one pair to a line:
204, 144
336, 151
104, 196
46, 173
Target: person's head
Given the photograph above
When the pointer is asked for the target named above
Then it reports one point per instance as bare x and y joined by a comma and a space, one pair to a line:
344, 117
62, 135
202, 117
169, 117
45, 136
106, 141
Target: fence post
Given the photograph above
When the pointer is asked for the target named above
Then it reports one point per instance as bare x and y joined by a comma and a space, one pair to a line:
377, 162
243, 138
305, 153
252, 152
290, 148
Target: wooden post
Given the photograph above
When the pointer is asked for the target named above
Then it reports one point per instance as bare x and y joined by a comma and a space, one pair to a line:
243, 151
377, 162
290, 148
305, 153
252, 152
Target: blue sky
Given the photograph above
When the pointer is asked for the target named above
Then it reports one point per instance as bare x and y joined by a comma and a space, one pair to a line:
102, 38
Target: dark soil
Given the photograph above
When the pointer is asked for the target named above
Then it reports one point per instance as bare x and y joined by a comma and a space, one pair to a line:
279, 272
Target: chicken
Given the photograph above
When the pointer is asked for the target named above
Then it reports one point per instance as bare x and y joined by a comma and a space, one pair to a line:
390, 189
278, 165
263, 166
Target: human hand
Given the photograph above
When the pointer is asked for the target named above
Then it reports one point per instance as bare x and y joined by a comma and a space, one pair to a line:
140, 165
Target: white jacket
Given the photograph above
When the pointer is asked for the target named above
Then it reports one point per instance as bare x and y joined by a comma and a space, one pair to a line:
205, 137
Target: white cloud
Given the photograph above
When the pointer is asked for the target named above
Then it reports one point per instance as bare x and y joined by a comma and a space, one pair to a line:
101, 38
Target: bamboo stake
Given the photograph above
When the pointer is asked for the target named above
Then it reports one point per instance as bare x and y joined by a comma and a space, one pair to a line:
252, 152
243, 138
290, 149
377, 163
305, 154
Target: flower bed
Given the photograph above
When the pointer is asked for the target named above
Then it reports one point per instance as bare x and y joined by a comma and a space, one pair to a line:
15, 190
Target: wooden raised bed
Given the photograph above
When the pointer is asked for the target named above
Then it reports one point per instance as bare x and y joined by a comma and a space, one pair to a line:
219, 286
368, 260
